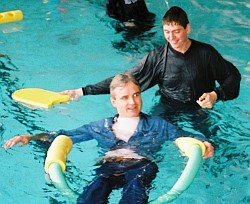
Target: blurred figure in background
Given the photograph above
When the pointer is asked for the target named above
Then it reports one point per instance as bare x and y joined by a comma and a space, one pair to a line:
130, 12
135, 20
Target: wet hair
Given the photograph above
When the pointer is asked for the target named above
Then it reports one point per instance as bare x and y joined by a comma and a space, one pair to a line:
175, 15
121, 80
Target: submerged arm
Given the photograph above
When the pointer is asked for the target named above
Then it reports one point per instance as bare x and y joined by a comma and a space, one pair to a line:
25, 139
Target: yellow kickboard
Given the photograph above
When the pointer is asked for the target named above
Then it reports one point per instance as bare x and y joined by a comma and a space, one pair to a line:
35, 97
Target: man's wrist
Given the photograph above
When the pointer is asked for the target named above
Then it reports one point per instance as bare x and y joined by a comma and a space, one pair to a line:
220, 93
214, 95
83, 91
39, 136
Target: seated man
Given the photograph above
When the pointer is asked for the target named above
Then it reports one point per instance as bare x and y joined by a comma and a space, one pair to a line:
129, 142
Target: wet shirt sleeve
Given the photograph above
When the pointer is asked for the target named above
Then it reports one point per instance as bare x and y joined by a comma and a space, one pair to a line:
83, 133
174, 132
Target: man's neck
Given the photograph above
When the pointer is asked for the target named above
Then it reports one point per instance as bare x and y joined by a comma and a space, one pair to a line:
185, 47
124, 128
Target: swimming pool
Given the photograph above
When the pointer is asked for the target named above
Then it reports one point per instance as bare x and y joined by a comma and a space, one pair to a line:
67, 44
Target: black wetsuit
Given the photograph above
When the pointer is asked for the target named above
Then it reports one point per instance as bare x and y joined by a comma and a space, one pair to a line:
134, 22
182, 78
128, 10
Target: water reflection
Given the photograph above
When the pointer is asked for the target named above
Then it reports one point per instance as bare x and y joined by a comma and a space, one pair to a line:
227, 127
137, 39
9, 83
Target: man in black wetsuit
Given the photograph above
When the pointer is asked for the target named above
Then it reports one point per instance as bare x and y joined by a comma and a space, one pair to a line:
185, 70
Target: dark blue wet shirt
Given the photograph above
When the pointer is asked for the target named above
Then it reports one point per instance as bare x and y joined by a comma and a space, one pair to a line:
148, 138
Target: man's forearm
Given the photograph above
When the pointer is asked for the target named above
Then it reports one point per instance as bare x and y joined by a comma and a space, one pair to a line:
40, 136
99, 88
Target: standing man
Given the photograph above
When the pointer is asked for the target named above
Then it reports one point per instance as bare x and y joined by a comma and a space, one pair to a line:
185, 70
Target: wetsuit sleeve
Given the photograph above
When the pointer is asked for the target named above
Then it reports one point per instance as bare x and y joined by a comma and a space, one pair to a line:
149, 71
98, 88
227, 76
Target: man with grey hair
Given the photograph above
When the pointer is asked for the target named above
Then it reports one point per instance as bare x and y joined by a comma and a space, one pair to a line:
129, 143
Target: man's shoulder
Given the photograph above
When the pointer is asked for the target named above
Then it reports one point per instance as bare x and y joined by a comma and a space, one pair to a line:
105, 122
159, 49
158, 52
203, 45
153, 124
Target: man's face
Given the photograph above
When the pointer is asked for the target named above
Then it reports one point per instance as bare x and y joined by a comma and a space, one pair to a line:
127, 100
176, 35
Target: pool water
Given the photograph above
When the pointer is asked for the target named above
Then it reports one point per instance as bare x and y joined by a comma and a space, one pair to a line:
67, 44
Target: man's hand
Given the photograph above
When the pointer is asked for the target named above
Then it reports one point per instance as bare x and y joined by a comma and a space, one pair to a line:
207, 100
24, 139
209, 150
73, 94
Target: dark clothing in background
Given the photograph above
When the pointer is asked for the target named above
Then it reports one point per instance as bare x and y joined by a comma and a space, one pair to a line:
128, 10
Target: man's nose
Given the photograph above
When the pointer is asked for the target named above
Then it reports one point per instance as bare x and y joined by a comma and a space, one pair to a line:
171, 36
131, 100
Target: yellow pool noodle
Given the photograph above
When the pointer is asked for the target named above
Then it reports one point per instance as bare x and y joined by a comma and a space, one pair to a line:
11, 16
185, 144
58, 152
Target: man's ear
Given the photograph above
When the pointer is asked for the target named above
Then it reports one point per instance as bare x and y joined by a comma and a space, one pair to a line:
112, 100
188, 28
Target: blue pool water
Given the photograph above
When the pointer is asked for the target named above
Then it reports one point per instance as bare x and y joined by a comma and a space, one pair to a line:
67, 44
